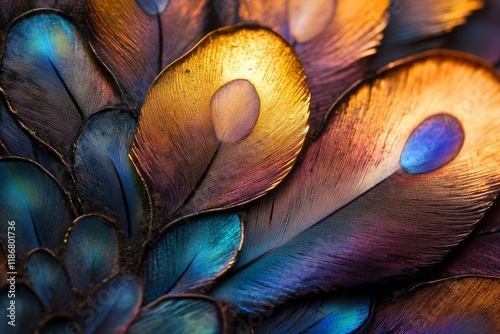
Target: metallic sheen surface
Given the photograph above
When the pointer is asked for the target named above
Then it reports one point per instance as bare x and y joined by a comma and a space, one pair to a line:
340, 313
434, 143
177, 145
335, 221
38, 223
191, 255
107, 180
413, 24
181, 314
460, 305
332, 46
137, 46
58, 81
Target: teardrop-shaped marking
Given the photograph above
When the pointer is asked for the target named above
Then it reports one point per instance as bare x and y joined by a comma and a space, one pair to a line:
153, 7
235, 109
434, 143
307, 19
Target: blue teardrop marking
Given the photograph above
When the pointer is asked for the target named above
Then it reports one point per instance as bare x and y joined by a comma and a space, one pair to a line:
153, 7
434, 143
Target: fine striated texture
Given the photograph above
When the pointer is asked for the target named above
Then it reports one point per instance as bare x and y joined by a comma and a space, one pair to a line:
481, 34
180, 314
177, 145
190, 255
35, 202
13, 139
136, 45
17, 141
416, 20
14, 8
413, 23
338, 222
332, 47
106, 178
118, 301
52, 80
340, 314
478, 256
49, 281
91, 254
461, 305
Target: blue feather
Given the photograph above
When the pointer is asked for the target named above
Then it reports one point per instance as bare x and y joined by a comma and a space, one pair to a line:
52, 79
178, 315
106, 178
91, 254
112, 307
18, 142
191, 255
339, 313
50, 281
33, 206
13, 138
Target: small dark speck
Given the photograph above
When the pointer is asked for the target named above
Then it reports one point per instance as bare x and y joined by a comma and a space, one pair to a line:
188, 71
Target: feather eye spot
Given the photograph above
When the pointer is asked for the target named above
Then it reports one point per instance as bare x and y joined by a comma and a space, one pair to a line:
434, 143
153, 7
235, 110
307, 19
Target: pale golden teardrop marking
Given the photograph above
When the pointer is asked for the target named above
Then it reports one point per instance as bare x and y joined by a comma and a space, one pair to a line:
235, 109
307, 19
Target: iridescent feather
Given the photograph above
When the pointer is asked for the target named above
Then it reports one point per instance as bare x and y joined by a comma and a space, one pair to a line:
481, 34
191, 255
338, 313
11, 9
237, 134
461, 305
52, 80
181, 314
331, 37
107, 180
31, 198
17, 141
137, 39
91, 253
413, 24
118, 302
49, 281
349, 214
479, 255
